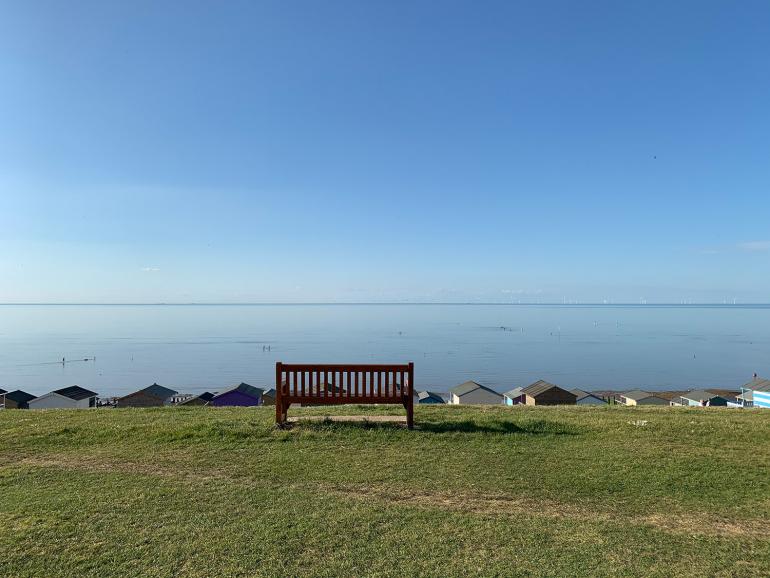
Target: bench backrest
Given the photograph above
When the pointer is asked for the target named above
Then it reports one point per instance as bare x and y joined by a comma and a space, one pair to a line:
341, 383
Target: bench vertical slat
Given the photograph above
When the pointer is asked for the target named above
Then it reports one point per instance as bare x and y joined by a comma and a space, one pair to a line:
397, 389
387, 384
326, 384
313, 382
396, 384
360, 382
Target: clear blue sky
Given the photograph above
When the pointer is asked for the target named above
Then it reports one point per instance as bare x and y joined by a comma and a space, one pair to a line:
349, 151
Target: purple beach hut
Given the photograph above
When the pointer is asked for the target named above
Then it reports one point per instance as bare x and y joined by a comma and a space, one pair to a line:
240, 395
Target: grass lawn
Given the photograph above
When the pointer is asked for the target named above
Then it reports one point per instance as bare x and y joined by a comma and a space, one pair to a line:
497, 491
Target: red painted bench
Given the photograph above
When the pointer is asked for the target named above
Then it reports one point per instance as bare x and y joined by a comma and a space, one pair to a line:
341, 383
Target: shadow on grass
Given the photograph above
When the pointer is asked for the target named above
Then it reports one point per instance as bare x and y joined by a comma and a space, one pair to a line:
531, 427
469, 426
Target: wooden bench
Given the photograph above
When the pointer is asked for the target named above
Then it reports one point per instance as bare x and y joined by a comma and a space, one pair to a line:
340, 383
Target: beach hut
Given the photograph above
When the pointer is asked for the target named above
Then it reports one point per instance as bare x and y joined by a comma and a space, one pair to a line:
268, 397
202, 399
513, 396
756, 393
2, 397
17, 399
700, 398
153, 396
543, 393
639, 397
242, 395
586, 398
429, 397
471, 392
73, 397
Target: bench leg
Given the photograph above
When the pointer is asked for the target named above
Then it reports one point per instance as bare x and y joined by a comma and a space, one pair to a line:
410, 414
281, 409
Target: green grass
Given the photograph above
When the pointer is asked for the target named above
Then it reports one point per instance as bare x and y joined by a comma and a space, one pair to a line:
474, 492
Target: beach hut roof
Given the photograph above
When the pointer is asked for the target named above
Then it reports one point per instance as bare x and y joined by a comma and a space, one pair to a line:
538, 387
205, 396
159, 391
512, 393
2, 391
243, 388
636, 394
700, 395
76, 392
19, 396
582, 394
430, 395
758, 384
467, 387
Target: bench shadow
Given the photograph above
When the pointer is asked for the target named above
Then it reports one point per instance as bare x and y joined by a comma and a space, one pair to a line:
530, 427
524, 427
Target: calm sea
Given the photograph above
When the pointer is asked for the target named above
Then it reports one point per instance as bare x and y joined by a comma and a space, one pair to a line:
208, 347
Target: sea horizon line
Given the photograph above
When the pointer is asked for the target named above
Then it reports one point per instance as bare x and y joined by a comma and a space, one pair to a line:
379, 303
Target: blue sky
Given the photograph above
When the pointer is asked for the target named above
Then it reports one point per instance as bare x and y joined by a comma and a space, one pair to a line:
357, 151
